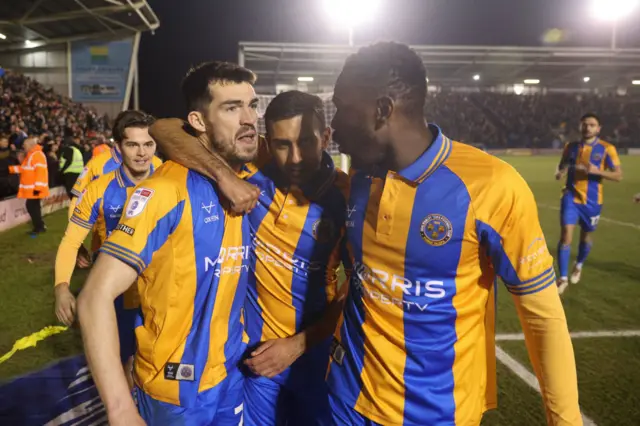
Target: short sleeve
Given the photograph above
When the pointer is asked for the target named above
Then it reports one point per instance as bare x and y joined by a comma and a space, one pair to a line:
612, 160
152, 213
512, 233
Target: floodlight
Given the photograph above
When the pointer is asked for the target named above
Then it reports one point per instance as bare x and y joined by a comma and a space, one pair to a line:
476, 77
305, 79
532, 81
612, 10
350, 13
586, 79
3, 37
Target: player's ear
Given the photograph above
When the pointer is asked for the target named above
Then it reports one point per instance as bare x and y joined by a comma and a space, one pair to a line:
196, 120
326, 137
384, 108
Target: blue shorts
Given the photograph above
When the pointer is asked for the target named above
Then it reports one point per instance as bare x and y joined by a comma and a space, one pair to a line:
267, 403
224, 411
587, 215
345, 415
126, 329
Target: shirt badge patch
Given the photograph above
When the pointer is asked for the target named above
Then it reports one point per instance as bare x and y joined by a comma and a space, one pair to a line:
597, 157
138, 201
436, 230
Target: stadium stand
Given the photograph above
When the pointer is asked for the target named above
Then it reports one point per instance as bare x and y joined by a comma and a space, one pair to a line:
27, 108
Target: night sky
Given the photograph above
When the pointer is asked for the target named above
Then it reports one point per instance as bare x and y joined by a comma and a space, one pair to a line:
193, 31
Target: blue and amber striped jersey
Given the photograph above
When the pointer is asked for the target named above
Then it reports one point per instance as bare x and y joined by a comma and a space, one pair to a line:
416, 342
192, 258
298, 240
104, 199
103, 163
587, 189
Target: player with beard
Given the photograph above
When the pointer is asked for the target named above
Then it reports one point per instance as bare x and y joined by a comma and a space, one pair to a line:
585, 163
297, 232
190, 256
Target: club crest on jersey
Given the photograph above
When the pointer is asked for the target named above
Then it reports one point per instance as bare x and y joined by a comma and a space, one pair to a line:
436, 230
597, 157
138, 201
322, 230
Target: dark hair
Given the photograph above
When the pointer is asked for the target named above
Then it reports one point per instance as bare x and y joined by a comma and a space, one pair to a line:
195, 85
130, 118
293, 103
590, 115
390, 69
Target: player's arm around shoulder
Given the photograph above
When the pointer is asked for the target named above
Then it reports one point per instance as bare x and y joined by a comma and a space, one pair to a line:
520, 255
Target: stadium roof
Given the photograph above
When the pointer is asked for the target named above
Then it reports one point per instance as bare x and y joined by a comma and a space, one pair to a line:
555, 67
34, 23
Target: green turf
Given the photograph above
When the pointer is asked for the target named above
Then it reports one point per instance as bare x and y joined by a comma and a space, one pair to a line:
606, 299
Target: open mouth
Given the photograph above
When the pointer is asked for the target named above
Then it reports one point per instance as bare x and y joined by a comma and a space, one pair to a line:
248, 137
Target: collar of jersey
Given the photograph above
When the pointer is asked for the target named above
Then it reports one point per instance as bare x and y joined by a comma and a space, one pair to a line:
123, 179
431, 159
594, 143
115, 154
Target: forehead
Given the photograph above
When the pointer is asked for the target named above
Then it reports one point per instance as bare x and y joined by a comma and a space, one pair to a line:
292, 128
137, 134
226, 91
590, 121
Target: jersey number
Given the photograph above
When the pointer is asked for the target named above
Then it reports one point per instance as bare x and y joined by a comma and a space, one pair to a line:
595, 220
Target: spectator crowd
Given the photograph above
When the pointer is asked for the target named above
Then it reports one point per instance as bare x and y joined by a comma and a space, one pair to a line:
28, 109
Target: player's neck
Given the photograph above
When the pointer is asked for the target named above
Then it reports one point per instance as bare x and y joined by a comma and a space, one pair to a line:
136, 178
410, 144
590, 140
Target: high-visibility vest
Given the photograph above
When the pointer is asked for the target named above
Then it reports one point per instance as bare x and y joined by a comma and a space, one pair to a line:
77, 163
33, 174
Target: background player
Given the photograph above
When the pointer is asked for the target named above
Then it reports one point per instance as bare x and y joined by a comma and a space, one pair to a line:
297, 230
103, 163
585, 163
104, 199
191, 256
431, 223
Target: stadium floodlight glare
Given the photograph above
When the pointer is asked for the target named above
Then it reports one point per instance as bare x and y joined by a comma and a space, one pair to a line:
305, 79
3, 37
636, 82
531, 81
29, 43
612, 10
476, 77
350, 13
586, 79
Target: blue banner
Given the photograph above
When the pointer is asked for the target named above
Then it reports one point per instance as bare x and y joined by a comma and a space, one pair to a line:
62, 394
99, 70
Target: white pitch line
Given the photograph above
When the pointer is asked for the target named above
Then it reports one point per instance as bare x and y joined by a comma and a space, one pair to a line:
603, 219
526, 376
576, 334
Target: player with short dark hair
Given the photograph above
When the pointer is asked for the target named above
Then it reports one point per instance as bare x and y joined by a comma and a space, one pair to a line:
190, 256
297, 230
103, 201
431, 223
585, 163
